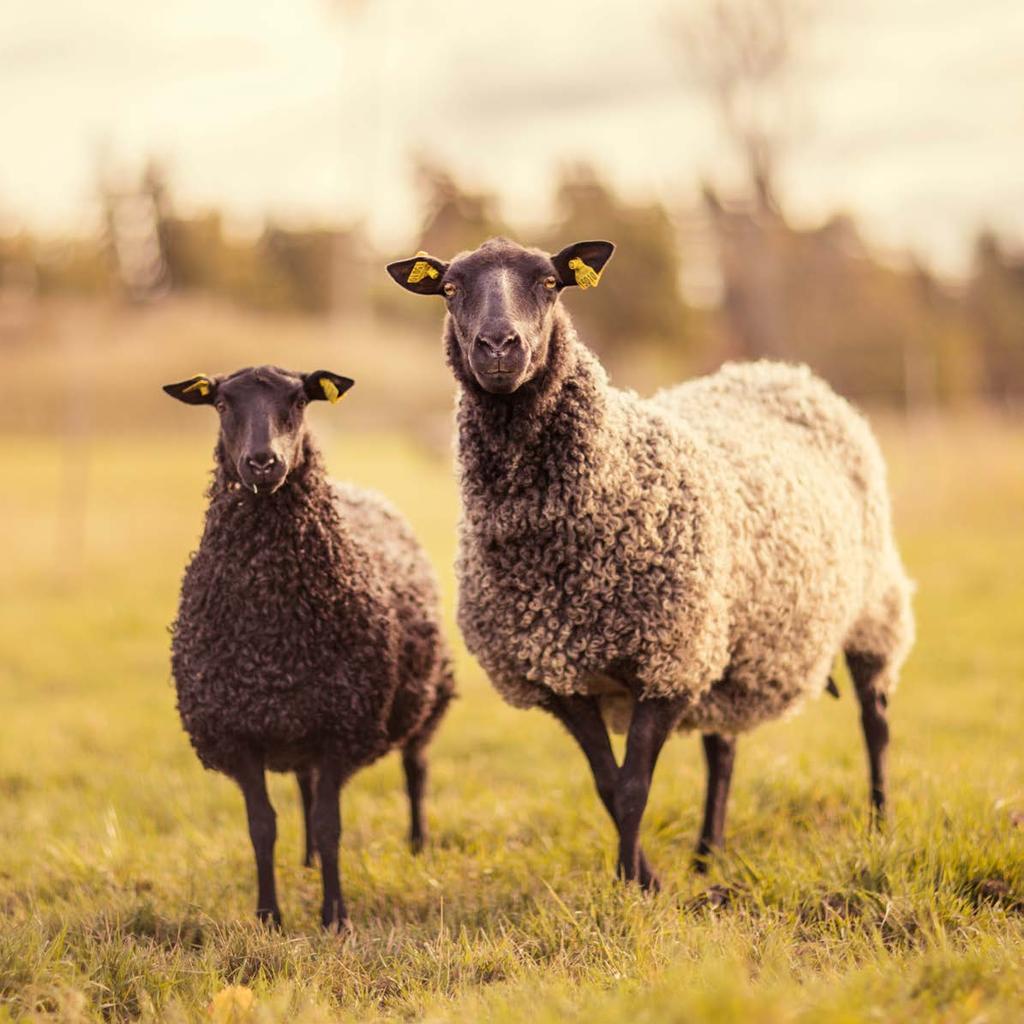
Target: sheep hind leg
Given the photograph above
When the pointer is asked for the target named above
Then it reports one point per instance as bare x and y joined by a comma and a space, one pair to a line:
305, 778
720, 754
866, 670
652, 722
582, 718
251, 777
414, 762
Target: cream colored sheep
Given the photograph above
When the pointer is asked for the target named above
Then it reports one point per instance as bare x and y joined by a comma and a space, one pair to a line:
694, 560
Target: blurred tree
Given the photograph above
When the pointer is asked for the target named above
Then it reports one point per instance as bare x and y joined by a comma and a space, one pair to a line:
309, 269
195, 250
877, 333
747, 236
304, 261
743, 56
132, 232
75, 266
638, 303
18, 274
455, 218
995, 304
316, 265
814, 295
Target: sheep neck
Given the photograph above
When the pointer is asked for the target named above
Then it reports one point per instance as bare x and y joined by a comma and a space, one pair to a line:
521, 445
236, 517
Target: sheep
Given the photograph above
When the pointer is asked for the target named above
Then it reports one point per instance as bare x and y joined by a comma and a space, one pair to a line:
308, 635
690, 561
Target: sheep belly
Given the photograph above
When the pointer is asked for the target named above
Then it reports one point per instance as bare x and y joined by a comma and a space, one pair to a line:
615, 700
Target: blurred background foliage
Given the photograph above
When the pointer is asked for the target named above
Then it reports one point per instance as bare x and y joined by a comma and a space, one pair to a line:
884, 332
730, 272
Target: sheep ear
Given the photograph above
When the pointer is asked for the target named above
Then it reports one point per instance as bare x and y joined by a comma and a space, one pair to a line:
582, 263
198, 390
421, 274
324, 386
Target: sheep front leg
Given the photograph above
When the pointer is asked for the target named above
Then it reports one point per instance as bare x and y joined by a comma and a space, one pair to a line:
720, 754
581, 717
651, 724
251, 777
327, 835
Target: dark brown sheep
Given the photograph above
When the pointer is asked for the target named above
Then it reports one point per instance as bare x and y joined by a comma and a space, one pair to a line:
308, 637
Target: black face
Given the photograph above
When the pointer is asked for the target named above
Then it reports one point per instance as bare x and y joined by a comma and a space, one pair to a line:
262, 423
501, 300
262, 417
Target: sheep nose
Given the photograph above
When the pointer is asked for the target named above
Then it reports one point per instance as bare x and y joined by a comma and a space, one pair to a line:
262, 462
498, 346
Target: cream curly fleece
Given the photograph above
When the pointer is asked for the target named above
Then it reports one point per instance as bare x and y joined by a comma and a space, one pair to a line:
724, 539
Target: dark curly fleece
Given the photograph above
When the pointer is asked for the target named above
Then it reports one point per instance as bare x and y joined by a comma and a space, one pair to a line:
308, 626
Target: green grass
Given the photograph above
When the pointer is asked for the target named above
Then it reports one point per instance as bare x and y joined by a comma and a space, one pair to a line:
126, 876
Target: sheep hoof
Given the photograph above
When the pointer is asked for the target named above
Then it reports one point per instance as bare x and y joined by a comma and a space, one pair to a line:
416, 844
879, 817
340, 926
649, 881
270, 917
645, 878
700, 865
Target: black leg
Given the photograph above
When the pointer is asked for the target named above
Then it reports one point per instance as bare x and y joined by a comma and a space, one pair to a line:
414, 761
327, 833
652, 722
865, 669
305, 778
719, 753
263, 832
582, 718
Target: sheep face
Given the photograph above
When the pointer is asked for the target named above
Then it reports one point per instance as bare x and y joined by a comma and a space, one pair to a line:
501, 300
262, 418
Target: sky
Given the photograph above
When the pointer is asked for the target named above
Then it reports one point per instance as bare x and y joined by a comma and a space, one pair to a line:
910, 112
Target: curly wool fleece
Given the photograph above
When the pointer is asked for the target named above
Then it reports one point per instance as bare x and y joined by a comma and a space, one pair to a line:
309, 625
722, 540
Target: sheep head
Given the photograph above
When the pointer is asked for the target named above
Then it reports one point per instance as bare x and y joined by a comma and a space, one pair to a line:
501, 300
262, 418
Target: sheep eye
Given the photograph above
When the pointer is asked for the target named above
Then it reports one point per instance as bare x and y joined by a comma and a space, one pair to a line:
448, 289
550, 283
301, 403
220, 406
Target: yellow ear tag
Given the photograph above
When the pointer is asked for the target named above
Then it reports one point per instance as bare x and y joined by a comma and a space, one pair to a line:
586, 277
420, 270
330, 390
202, 386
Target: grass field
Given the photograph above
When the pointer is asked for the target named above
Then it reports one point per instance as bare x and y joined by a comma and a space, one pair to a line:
126, 875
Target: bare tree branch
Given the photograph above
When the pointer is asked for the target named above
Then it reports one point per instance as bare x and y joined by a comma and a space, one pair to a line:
743, 56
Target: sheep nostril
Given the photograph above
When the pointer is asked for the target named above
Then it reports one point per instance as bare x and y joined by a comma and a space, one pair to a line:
262, 461
497, 347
